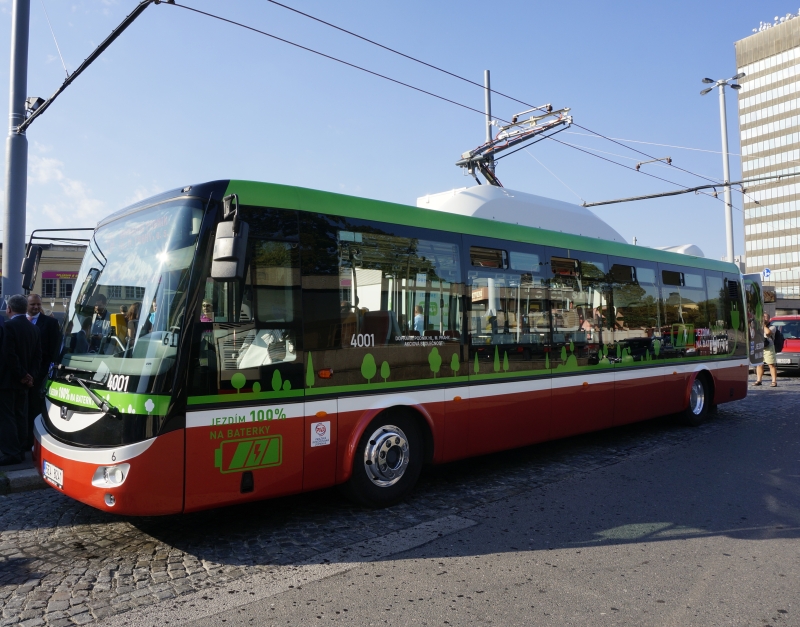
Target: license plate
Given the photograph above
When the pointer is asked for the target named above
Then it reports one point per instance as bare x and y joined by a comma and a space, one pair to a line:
53, 474
784, 361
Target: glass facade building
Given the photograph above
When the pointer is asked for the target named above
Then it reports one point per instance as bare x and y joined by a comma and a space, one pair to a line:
769, 128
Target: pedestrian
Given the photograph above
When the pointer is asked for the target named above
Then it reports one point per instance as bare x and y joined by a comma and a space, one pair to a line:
50, 338
769, 354
20, 356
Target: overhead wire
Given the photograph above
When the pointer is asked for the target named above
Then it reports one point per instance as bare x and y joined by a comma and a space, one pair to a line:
424, 91
327, 56
402, 54
52, 32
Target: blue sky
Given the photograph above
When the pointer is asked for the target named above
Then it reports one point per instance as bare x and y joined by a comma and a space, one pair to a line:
181, 98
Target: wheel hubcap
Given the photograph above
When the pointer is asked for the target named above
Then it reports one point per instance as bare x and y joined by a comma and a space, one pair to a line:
697, 397
386, 456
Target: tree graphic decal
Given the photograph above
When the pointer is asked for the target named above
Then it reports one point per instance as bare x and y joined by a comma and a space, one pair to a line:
276, 380
505, 361
455, 365
435, 361
385, 371
477, 367
368, 367
237, 381
496, 360
256, 387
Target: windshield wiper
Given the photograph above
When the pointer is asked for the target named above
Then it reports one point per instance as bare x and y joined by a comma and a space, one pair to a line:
101, 403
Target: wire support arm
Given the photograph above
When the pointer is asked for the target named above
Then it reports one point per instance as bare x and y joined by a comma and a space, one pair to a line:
89, 60
688, 190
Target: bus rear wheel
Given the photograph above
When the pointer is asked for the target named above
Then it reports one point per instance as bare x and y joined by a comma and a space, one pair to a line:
699, 403
387, 462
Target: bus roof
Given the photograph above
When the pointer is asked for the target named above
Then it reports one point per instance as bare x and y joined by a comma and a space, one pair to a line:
303, 199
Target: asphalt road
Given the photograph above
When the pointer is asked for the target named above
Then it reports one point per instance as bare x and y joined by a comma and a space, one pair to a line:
649, 524
700, 534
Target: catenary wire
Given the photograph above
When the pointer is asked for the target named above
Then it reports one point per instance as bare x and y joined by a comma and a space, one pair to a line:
402, 54
554, 175
429, 93
635, 141
462, 78
327, 56
52, 32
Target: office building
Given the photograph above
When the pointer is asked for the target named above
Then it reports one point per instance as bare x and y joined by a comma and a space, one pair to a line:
769, 127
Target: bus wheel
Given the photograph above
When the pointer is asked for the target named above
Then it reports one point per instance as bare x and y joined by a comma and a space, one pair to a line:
699, 403
387, 463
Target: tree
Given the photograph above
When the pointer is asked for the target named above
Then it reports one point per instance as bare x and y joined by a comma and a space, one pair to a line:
385, 370
276, 380
368, 367
238, 381
505, 361
455, 365
310, 372
496, 360
256, 387
477, 367
435, 361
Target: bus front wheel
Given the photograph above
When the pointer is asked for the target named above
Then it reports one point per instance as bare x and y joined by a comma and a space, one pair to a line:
699, 402
387, 462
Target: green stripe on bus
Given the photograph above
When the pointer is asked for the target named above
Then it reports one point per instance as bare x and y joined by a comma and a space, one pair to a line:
125, 402
301, 199
236, 398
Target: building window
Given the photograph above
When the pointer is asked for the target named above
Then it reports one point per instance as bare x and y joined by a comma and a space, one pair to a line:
48, 288
66, 286
134, 293
115, 291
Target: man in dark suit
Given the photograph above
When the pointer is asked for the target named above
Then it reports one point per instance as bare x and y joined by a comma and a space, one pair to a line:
50, 337
20, 356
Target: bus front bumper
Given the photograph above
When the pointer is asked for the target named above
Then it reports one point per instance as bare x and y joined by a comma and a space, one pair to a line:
141, 479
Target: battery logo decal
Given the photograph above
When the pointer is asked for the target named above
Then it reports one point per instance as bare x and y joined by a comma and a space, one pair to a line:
238, 455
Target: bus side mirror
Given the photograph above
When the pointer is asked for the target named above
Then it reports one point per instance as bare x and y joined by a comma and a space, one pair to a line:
230, 243
30, 267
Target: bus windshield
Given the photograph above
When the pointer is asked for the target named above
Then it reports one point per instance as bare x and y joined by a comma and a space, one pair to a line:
123, 324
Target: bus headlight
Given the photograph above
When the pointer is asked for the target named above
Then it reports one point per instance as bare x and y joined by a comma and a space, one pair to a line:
110, 476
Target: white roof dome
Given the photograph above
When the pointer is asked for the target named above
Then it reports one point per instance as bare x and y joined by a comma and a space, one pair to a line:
506, 205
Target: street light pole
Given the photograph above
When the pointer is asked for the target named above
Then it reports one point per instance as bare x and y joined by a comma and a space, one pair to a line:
16, 153
726, 175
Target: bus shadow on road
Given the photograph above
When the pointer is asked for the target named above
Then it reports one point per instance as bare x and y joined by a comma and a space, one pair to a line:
675, 485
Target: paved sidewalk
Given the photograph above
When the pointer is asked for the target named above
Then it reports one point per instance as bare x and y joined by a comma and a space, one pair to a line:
20, 477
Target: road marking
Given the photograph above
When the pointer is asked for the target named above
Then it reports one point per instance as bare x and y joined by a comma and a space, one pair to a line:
214, 600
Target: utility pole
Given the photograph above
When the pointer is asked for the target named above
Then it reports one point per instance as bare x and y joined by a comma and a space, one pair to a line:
19, 121
488, 101
726, 174
723, 120
16, 153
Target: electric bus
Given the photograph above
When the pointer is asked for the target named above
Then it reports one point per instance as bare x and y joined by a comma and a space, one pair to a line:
277, 340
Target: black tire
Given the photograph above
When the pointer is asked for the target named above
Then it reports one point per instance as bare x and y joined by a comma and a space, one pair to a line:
387, 462
699, 403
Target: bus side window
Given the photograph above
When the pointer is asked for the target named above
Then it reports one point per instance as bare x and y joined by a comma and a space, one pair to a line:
377, 300
637, 314
685, 306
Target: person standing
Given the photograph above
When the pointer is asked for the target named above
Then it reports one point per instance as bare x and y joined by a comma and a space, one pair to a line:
20, 356
769, 354
50, 338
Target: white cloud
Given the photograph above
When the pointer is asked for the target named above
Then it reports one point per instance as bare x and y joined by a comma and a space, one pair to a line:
65, 202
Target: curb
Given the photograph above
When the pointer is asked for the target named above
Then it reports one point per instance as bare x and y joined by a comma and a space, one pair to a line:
21, 481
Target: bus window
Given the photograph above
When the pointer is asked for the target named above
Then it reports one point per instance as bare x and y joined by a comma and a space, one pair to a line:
508, 317
488, 257
713, 340
684, 303
580, 312
637, 315
249, 331
382, 304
